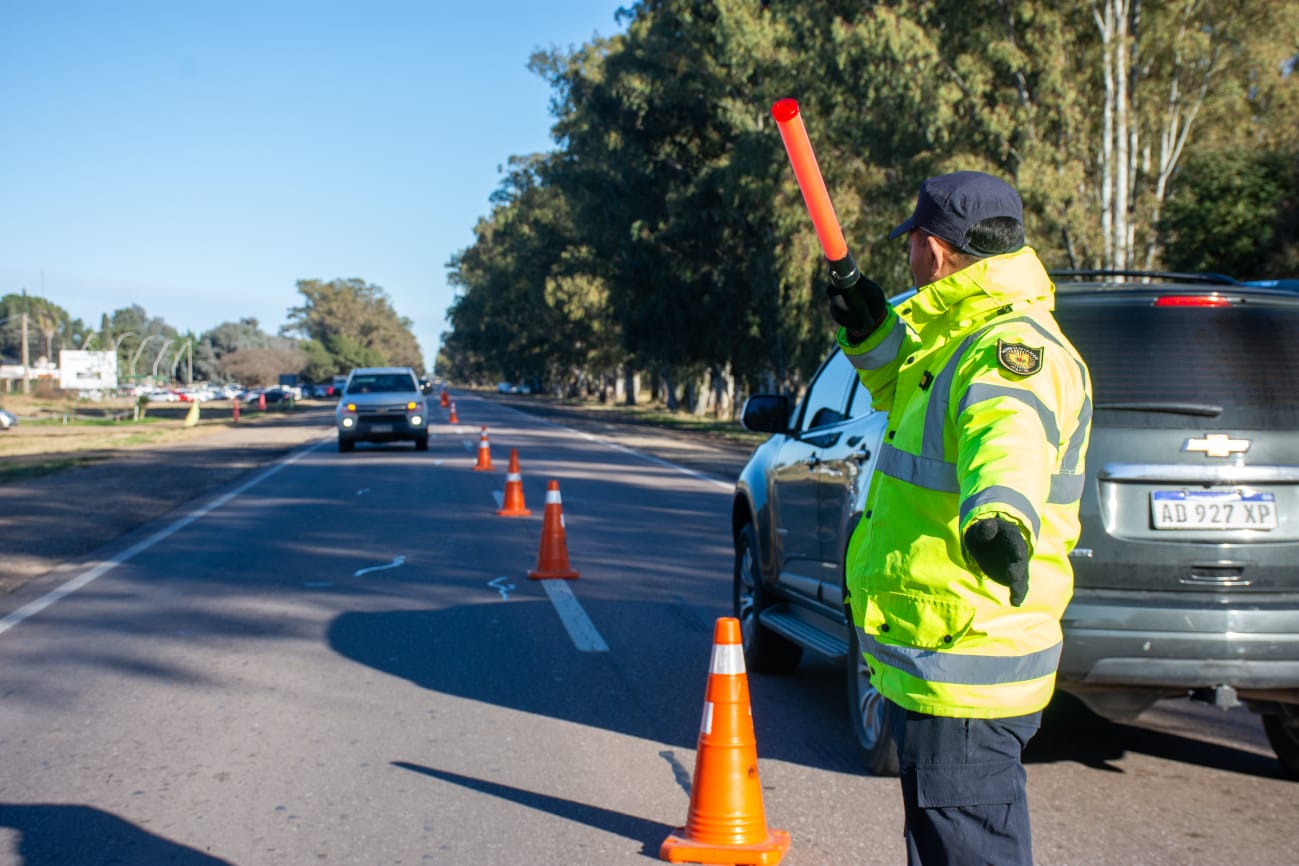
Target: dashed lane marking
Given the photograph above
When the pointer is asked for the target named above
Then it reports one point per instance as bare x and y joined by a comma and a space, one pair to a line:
571, 613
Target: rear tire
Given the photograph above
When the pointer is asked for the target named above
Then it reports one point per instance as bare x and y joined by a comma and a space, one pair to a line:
764, 650
1282, 729
868, 714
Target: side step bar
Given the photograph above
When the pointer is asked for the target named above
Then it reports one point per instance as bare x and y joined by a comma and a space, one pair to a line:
786, 623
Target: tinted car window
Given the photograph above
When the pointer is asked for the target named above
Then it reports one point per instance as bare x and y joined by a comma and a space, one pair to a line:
380, 384
827, 399
1148, 361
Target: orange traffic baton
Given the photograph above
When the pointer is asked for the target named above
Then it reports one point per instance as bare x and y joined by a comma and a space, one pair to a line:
727, 823
513, 505
484, 452
552, 558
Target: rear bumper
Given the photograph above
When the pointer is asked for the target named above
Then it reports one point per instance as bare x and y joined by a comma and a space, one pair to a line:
1112, 642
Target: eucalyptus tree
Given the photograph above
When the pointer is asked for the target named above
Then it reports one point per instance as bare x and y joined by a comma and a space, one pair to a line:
352, 323
218, 353
1089, 106
49, 327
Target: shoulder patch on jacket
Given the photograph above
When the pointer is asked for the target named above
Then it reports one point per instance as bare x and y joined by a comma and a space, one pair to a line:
1018, 358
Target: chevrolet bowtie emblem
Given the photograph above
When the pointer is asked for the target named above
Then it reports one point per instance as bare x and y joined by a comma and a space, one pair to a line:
1217, 445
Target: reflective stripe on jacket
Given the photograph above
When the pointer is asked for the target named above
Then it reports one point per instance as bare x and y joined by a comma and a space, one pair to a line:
989, 415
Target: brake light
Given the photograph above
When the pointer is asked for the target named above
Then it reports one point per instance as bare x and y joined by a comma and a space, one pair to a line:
1192, 301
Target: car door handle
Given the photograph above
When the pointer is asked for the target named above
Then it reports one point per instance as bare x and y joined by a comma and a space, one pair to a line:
812, 462
861, 456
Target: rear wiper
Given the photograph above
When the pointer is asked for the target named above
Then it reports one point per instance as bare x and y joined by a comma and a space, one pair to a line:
1208, 410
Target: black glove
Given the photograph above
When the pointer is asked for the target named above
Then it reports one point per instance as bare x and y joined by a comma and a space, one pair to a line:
1000, 550
856, 303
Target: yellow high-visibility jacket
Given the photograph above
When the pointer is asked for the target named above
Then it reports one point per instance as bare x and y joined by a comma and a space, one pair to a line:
989, 415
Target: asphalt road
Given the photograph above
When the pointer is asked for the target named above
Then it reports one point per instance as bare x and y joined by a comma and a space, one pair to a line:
340, 660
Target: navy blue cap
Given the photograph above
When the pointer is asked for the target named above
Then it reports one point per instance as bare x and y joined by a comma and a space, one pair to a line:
949, 204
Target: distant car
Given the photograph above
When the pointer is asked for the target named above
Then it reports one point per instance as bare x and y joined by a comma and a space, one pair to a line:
1185, 577
272, 395
382, 404
7, 420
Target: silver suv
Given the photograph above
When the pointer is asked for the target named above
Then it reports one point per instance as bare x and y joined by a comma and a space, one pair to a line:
1187, 571
382, 404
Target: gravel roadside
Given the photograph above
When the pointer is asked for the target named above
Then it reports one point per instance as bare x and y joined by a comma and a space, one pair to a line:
53, 519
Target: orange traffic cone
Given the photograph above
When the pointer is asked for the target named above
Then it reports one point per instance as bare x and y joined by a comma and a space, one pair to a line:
446, 398
552, 558
513, 506
261, 401
453, 419
726, 823
484, 452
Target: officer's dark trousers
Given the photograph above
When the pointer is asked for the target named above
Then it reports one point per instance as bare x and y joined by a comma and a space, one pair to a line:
963, 786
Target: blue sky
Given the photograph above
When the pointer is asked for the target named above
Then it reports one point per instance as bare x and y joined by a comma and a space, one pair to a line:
199, 157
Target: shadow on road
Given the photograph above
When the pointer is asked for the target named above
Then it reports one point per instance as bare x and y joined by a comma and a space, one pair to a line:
513, 656
57, 834
801, 718
1071, 732
651, 833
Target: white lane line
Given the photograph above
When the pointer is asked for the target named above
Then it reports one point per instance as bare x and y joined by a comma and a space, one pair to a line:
725, 485
716, 482
399, 560
580, 628
86, 577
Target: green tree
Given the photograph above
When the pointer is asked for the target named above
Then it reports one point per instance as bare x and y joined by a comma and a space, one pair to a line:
529, 306
217, 348
353, 324
668, 222
49, 328
1235, 212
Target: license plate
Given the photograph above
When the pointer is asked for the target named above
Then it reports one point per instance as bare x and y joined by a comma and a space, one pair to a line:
1212, 509
380, 428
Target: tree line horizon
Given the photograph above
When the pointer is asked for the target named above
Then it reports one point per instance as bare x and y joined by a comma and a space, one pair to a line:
663, 243
340, 324
665, 239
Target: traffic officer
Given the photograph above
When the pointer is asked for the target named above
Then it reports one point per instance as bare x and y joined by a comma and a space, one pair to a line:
959, 571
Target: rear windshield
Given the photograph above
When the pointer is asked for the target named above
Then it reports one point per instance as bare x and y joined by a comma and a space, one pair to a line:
1164, 366
381, 383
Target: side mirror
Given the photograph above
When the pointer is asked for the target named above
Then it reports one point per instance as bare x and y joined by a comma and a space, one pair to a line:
426, 387
766, 413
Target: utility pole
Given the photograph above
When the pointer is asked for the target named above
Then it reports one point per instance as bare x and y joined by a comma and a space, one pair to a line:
27, 382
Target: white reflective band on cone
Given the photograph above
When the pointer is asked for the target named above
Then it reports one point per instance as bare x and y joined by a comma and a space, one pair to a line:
706, 723
728, 659
513, 476
552, 497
